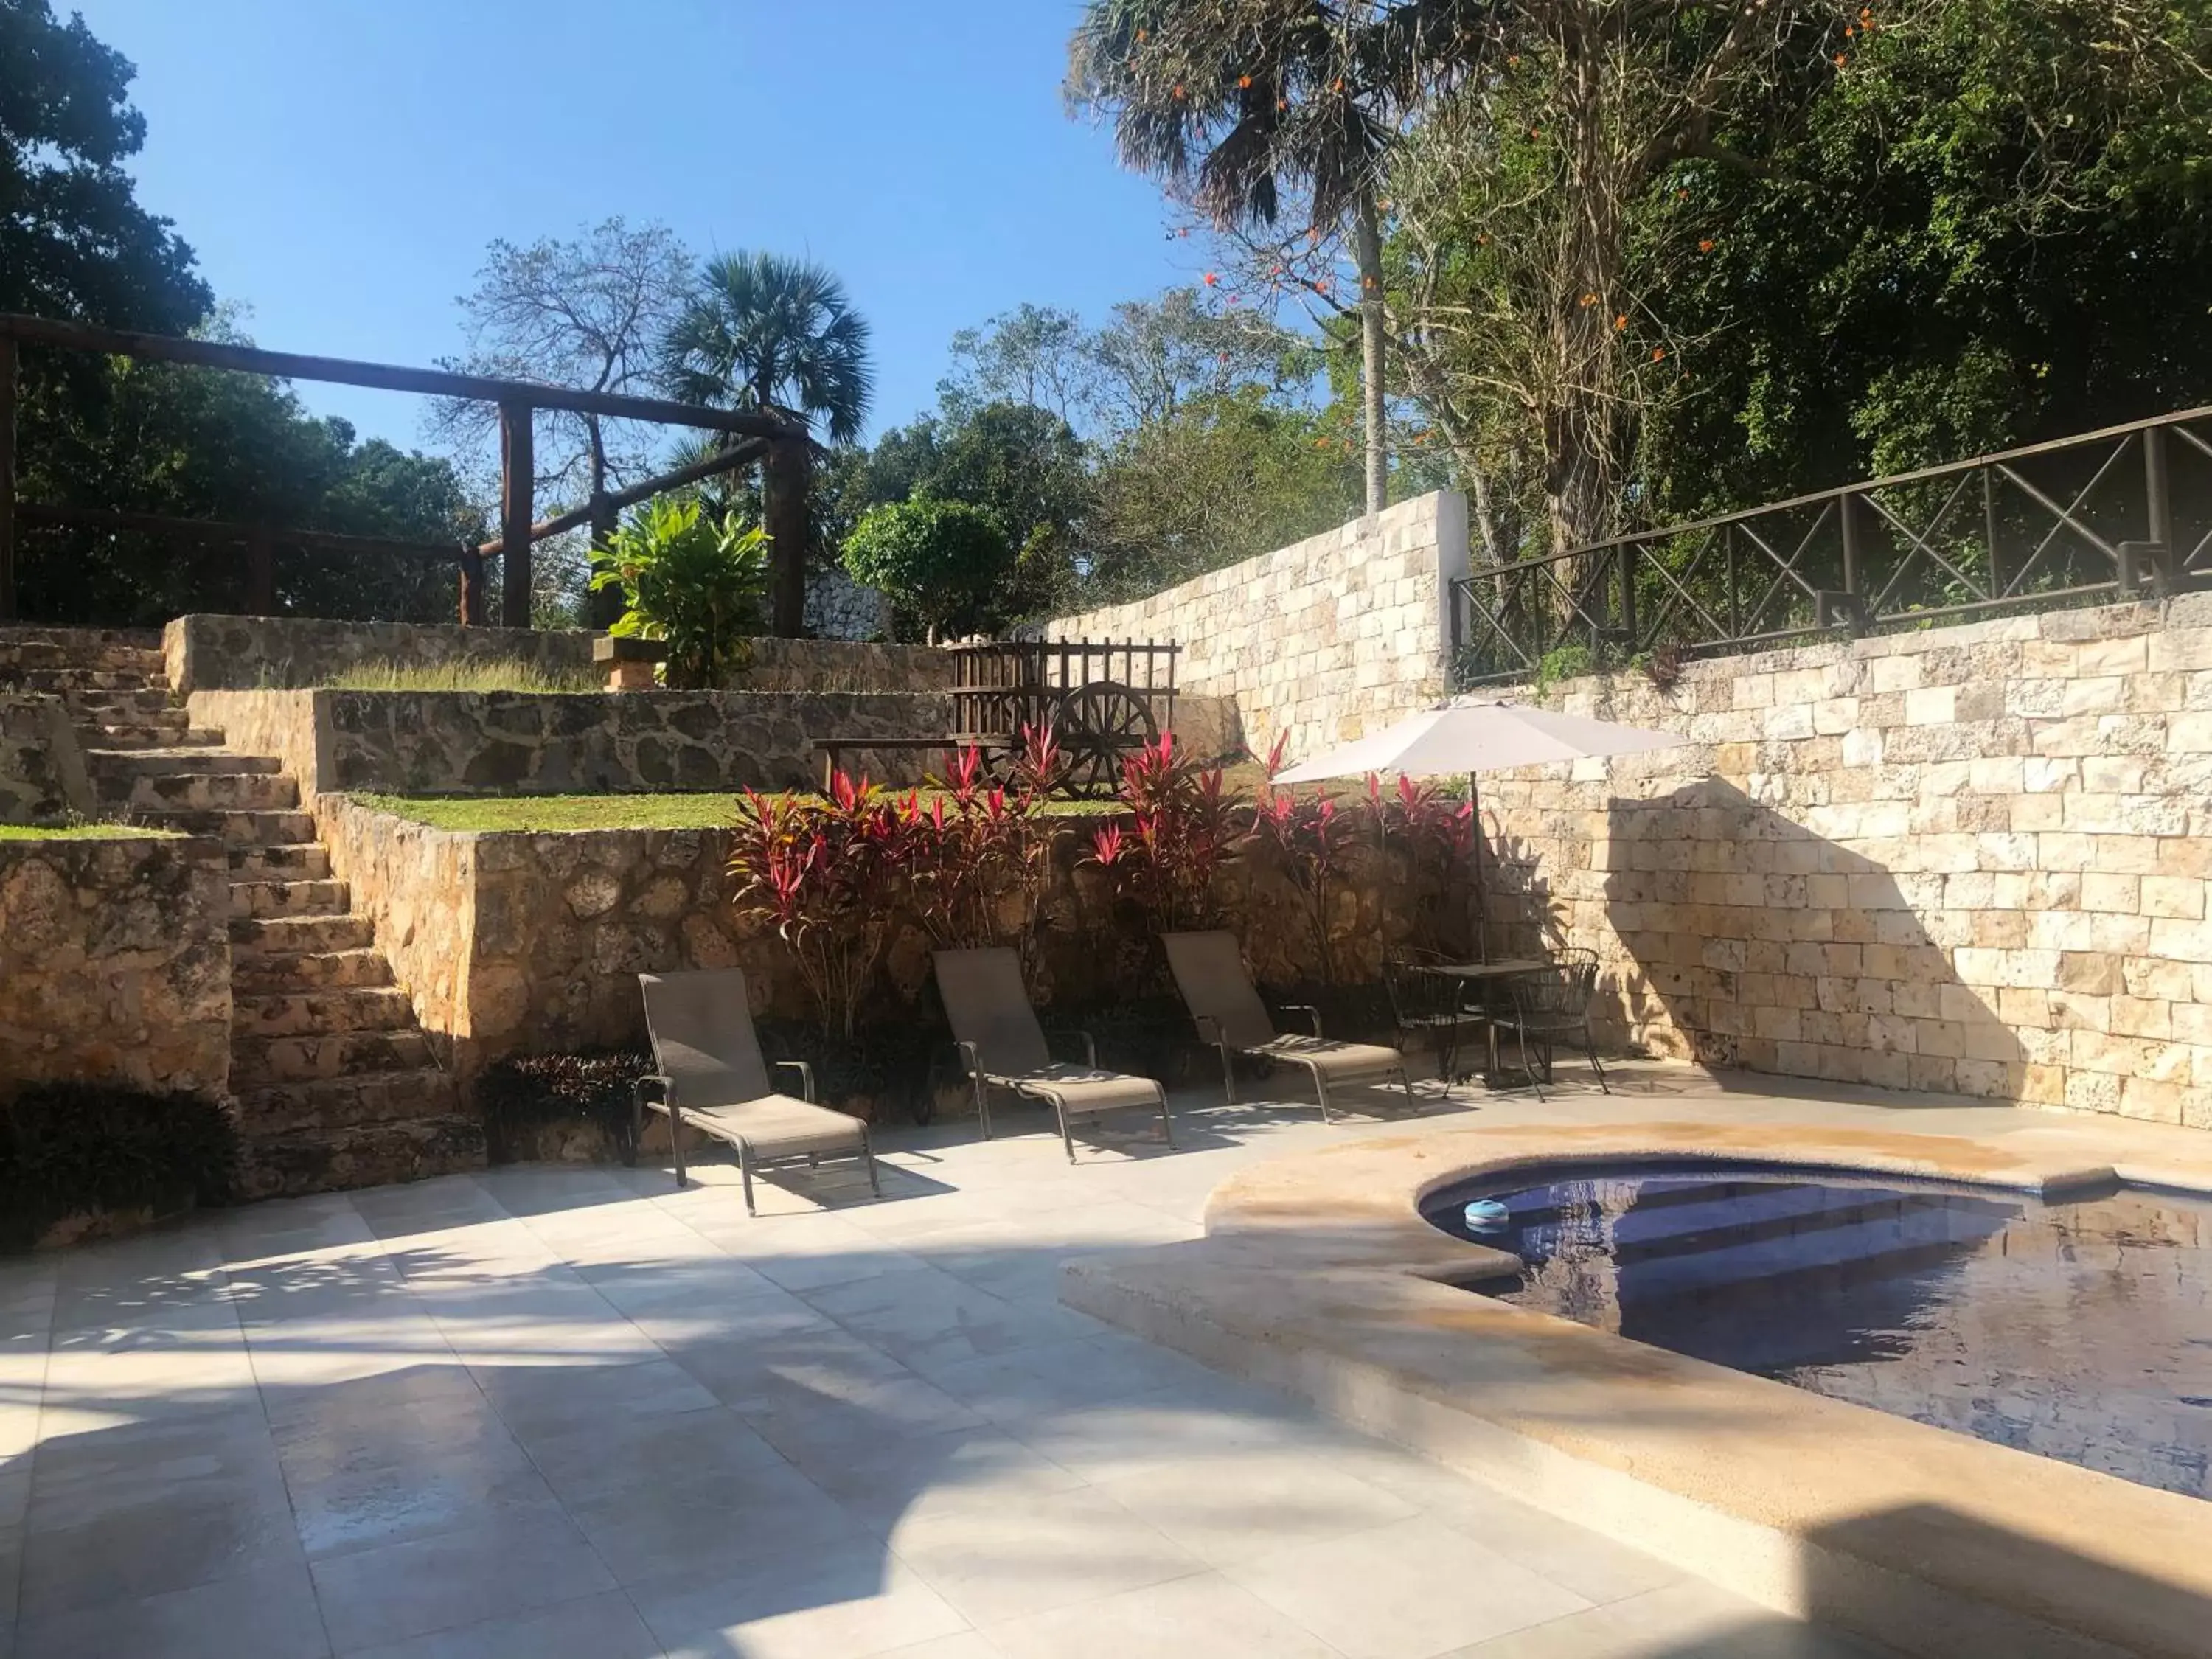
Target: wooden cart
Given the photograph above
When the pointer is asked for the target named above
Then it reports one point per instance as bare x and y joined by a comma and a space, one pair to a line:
1102, 698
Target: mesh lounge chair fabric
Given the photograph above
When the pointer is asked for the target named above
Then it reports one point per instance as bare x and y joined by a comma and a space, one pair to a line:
711, 1076
1004, 1046
1209, 971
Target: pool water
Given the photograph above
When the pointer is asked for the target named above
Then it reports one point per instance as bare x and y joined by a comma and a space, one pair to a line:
2079, 1329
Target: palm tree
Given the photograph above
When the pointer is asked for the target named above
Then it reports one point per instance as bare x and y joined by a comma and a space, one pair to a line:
1241, 103
761, 331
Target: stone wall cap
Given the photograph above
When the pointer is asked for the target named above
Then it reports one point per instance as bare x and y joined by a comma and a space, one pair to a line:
612, 647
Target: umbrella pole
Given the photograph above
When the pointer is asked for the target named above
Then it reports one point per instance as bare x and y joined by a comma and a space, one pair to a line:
1481, 909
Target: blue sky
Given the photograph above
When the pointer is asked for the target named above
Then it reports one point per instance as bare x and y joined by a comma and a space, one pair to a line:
339, 165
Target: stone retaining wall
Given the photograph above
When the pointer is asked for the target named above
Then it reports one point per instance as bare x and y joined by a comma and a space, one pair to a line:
1975, 859
115, 964
498, 742
515, 943
245, 653
42, 775
1330, 639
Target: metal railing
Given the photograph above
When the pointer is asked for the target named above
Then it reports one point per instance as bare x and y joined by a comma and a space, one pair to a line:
2124, 512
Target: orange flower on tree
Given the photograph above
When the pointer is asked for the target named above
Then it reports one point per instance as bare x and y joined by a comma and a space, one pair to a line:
1705, 245
1243, 82
1659, 353
1211, 278
1621, 322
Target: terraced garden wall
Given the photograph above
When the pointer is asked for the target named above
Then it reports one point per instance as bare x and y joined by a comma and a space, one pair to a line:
1975, 859
115, 964
243, 654
514, 942
42, 774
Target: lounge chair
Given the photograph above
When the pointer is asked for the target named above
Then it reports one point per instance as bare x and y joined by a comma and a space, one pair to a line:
1209, 971
1002, 1046
709, 1074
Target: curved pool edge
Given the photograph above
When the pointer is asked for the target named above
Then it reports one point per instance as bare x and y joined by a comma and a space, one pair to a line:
1319, 1275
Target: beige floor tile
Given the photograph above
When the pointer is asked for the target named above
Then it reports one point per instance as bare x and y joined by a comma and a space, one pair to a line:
488, 1570
603, 1626
1234, 1508
1206, 1614
711, 1525
1678, 1622
266, 1614
996, 1561
835, 1603
1405, 1591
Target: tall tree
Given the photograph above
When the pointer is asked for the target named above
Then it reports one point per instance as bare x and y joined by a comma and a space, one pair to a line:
1525, 275
74, 242
765, 332
590, 311
1245, 106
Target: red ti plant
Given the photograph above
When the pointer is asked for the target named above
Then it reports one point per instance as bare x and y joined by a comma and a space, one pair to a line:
1181, 833
985, 849
828, 876
1309, 841
1434, 835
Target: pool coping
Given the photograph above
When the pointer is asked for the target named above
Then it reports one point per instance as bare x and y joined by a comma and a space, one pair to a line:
1318, 1275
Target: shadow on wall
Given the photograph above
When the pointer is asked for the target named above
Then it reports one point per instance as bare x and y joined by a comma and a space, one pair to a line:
1856, 1576
1761, 945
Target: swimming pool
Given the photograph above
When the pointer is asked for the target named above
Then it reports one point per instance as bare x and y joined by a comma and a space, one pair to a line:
2079, 1328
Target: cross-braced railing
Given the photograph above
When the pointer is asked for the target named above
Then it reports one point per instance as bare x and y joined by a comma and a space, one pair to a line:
2124, 511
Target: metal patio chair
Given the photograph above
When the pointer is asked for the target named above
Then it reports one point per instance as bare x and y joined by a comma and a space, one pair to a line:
1550, 1007
1429, 1005
1209, 971
1003, 1047
709, 1074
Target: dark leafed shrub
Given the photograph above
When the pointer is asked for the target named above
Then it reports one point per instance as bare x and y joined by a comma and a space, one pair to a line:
518, 1094
79, 1149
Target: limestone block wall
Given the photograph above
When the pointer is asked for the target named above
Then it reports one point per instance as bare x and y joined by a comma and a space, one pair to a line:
42, 775
115, 964
1975, 859
838, 608
1329, 639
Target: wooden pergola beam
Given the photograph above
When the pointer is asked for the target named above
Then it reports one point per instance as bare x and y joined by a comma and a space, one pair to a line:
386, 377
723, 460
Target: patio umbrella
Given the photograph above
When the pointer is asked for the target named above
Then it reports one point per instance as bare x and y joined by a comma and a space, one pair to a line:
1477, 737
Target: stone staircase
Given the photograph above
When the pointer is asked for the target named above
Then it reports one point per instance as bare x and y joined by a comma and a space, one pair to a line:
336, 1084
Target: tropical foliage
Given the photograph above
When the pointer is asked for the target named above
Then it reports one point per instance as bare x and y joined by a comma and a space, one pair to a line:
691, 581
945, 561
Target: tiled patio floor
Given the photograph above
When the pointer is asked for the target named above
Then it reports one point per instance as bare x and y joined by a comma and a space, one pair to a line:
573, 1413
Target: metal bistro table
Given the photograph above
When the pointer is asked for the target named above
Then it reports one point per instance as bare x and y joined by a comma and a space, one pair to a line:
1483, 973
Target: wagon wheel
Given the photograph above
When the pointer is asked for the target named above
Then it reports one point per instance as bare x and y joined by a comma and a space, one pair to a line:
1097, 724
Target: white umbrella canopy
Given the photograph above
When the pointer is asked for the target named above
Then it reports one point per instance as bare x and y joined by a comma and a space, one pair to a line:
1477, 737
1468, 737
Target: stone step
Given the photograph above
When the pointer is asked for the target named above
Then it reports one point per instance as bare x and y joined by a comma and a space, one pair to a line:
300, 861
67, 680
141, 639
292, 936
307, 1014
177, 762
287, 896
309, 970
366, 1155
109, 738
90, 708
259, 1060
234, 828
189, 791
19, 655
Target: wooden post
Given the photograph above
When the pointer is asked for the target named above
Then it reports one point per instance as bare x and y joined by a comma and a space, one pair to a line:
602, 608
517, 468
260, 574
7, 480
785, 474
472, 588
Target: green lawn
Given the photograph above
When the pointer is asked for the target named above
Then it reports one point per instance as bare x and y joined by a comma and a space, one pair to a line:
699, 811
78, 832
